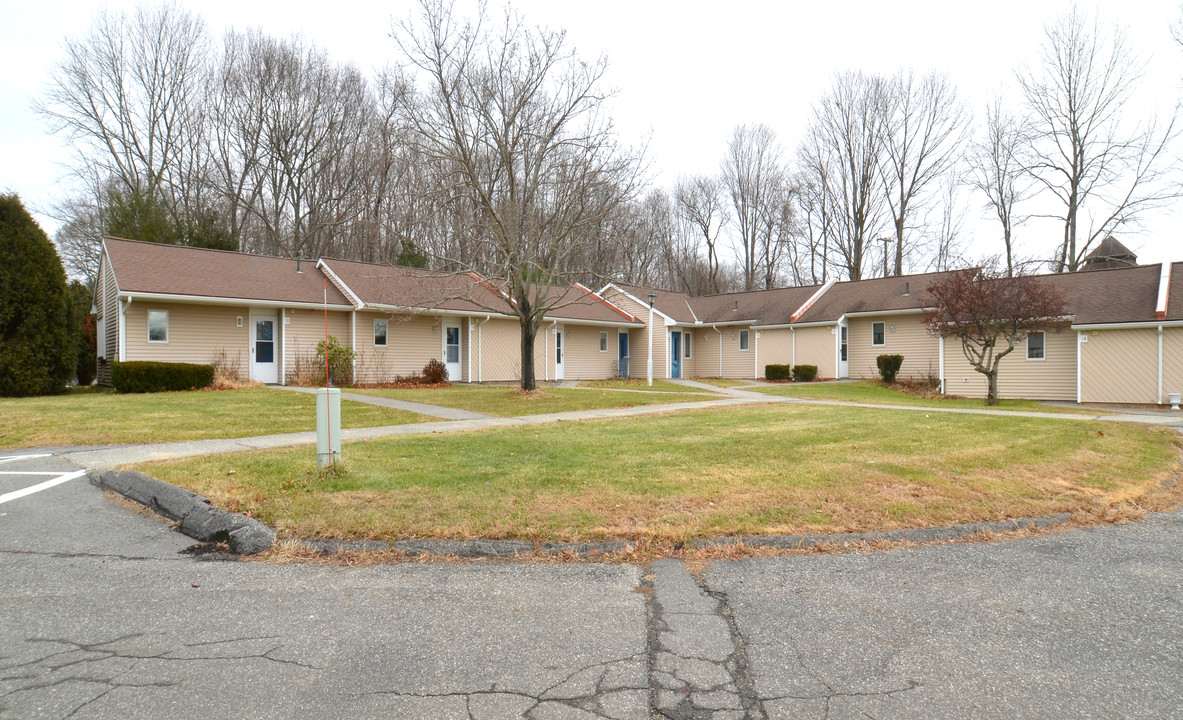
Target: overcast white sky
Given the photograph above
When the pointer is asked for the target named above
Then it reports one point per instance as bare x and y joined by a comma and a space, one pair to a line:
686, 72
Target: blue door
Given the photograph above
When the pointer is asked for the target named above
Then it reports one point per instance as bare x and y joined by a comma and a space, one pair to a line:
622, 358
675, 354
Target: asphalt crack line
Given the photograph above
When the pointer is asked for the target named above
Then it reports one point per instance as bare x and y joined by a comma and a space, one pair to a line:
831, 693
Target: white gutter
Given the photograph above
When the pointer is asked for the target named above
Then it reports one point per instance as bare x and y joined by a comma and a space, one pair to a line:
1128, 326
812, 299
868, 313
345, 290
240, 302
440, 312
596, 323
819, 323
1164, 294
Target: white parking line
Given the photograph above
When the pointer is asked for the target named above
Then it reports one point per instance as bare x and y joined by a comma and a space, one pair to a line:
40, 486
28, 472
12, 458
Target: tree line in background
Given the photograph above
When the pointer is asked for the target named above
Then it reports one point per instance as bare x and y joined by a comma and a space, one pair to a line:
488, 148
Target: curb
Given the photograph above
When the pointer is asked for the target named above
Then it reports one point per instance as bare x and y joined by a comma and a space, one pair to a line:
950, 532
194, 514
197, 518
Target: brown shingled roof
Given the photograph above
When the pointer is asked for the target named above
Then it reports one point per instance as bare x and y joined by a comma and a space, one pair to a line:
144, 267
667, 302
1117, 295
580, 303
402, 287
761, 307
1175, 299
905, 292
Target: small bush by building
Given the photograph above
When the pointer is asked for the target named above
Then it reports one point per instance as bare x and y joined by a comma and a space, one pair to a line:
804, 373
889, 367
778, 372
435, 372
144, 376
340, 360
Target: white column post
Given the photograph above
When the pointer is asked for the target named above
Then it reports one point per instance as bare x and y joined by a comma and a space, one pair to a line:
649, 373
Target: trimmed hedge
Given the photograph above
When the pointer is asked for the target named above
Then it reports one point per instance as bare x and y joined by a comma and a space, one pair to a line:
777, 372
889, 367
143, 376
804, 373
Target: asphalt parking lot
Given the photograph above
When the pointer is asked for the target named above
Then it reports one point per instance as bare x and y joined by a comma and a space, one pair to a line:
104, 616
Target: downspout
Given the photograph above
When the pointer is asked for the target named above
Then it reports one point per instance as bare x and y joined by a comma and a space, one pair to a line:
793, 334
755, 352
554, 328
1160, 364
941, 345
1079, 340
716, 329
283, 345
123, 328
480, 349
352, 343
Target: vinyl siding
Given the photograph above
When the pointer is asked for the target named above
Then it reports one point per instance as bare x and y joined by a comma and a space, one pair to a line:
410, 344
196, 334
738, 363
1053, 378
108, 307
909, 338
582, 359
499, 351
817, 346
639, 338
1172, 361
299, 337
1120, 366
776, 348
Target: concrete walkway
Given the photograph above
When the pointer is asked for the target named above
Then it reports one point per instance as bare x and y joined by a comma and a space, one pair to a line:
120, 455
438, 411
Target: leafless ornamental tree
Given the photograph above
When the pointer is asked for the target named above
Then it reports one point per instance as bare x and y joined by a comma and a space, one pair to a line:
515, 121
989, 314
924, 130
1103, 170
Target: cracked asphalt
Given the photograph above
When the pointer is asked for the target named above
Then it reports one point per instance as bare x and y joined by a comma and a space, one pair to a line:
103, 616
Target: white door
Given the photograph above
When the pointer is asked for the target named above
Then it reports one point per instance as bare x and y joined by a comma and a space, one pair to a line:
452, 351
264, 367
559, 353
843, 361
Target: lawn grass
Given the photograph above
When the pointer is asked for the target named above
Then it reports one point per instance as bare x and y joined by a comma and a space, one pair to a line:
504, 401
874, 392
722, 382
641, 384
752, 470
92, 416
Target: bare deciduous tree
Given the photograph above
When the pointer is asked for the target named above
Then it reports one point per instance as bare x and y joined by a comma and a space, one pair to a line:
997, 170
515, 120
129, 95
924, 128
753, 175
840, 161
1103, 170
702, 207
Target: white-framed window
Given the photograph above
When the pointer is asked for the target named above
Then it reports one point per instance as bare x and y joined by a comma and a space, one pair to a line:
686, 339
1035, 346
743, 339
158, 326
878, 336
603, 341
380, 333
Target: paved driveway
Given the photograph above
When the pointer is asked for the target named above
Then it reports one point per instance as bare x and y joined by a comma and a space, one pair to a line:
102, 617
